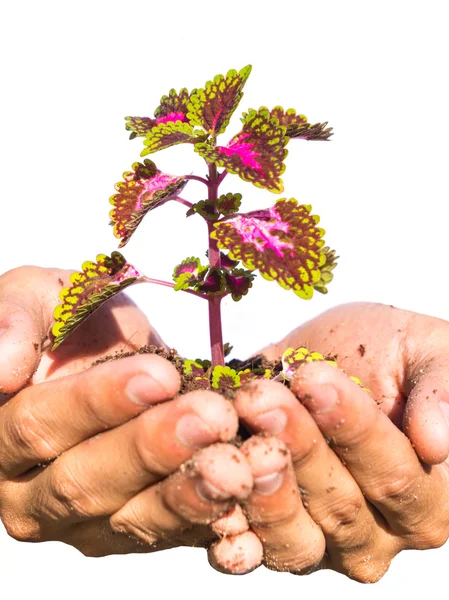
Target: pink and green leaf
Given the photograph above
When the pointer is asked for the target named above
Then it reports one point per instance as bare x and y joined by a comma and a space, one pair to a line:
228, 204
142, 189
170, 133
256, 154
93, 286
284, 243
212, 106
193, 367
213, 283
293, 358
174, 106
188, 273
238, 282
227, 262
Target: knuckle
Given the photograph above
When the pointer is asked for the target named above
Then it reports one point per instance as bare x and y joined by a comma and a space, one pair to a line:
399, 484
342, 513
72, 497
28, 432
130, 524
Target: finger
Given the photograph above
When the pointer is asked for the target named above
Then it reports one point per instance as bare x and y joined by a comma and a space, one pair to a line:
329, 492
378, 455
200, 492
100, 475
426, 415
292, 540
44, 420
231, 523
236, 554
27, 295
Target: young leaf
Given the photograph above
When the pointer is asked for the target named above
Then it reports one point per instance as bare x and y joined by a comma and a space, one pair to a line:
173, 108
213, 283
229, 203
170, 133
188, 272
225, 378
212, 107
89, 289
292, 359
298, 127
227, 348
326, 270
226, 262
284, 243
238, 282
256, 154
143, 188
205, 208
193, 367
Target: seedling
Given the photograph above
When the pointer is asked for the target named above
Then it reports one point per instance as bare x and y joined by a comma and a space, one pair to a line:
283, 243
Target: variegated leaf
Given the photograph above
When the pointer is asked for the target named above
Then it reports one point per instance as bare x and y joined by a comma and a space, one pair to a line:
225, 378
238, 282
188, 272
142, 189
212, 107
174, 106
293, 358
139, 126
227, 262
326, 270
256, 154
229, 203
205, 208
89, 289
306, 131
213, 283
284, 243
168, 134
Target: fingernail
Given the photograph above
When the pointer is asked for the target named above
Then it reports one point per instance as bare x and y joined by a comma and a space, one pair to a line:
192, 432
143, 389
320, 398
273, 421
208, 491
268, 484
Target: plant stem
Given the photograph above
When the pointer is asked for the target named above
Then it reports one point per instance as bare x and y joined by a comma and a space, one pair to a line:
215, 328
182, 201
222, 176
196, 178
172, 285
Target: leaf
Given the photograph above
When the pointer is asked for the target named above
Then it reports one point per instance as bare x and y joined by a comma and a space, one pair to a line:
229, 203
298, 127
293, 358
142, 189
188, 272
172, 108
255, 154
326, 270
227, 349
212, 107
224, 378
226, 262
213, 283
282, 242
205, 208
238, 283
318, 131
168, 134
193, 367
89, 289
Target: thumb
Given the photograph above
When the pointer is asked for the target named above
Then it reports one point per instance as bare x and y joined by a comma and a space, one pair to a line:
28, 296
426, 416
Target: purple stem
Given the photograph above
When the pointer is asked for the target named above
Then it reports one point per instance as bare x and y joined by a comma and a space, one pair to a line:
222, 176
215, 328
182, 201
172, 285
196, 178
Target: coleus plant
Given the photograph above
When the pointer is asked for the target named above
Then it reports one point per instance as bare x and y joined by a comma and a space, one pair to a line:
283, 243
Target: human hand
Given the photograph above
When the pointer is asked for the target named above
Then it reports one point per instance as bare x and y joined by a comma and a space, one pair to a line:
363, 494
402, 357
78, 447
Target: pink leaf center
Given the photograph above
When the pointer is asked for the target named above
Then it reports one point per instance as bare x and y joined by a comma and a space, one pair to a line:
244, 150
173, 116
126, 274
159, 182
259, 232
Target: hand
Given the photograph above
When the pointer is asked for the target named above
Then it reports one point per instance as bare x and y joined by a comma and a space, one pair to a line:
401, 356
80, 453
352, 495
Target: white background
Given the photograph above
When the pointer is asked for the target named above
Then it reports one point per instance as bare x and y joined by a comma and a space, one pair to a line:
377, 71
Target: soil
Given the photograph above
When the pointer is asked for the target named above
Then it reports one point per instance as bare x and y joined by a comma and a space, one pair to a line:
188, 384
